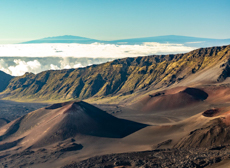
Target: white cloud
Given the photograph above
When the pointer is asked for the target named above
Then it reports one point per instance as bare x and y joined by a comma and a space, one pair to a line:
17, 67
54, 67
66, 67
22, 67
77, 65
4, 66
66, 56
94, 50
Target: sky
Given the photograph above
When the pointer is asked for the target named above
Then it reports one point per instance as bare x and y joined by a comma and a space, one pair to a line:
112, 19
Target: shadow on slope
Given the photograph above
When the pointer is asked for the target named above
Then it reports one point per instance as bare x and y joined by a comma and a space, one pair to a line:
12, 129
168, 100
3, 122
83, 118
9, 145
65, 120
214, 133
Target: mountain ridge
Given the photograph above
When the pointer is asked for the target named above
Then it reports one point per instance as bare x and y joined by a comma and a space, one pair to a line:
172, 39
122, 76
64, 39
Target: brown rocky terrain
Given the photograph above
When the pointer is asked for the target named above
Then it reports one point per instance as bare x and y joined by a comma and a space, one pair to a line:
196, 157
156, 111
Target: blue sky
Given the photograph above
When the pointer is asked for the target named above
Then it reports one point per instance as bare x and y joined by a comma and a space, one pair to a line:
113, 19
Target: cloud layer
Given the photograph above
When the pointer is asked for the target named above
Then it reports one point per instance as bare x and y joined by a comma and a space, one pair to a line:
16, 59
94, 50
17, 66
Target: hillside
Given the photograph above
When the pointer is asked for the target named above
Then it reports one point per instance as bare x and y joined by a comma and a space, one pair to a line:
214, 133
4, 80
91, 121
61, 131
124, 76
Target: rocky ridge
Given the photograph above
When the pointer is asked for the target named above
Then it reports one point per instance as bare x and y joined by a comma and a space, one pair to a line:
120, 77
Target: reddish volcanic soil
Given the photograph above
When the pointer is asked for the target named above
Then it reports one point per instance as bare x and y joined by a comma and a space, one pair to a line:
218, 94
64, 120
182, 117
172, 99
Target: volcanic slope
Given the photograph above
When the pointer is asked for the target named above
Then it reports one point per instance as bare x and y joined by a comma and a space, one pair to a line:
172, 99
125, 76
65, 120
3, 122
200, 138
214, 133
209, 128
182, 97
75, 130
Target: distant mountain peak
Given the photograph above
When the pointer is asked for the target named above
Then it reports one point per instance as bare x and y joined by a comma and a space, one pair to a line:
175, 39
64, 39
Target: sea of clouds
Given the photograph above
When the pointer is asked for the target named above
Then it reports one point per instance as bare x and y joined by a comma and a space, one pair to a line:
17, 66
16, 59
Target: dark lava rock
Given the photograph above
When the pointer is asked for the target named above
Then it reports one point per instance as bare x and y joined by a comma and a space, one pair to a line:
173, 158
